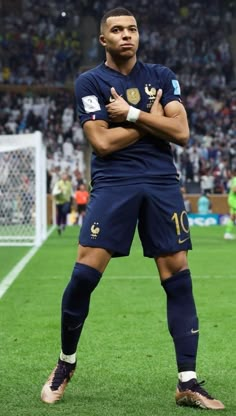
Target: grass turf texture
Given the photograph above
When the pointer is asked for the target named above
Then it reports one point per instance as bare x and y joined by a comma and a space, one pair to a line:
9, 256
126, 363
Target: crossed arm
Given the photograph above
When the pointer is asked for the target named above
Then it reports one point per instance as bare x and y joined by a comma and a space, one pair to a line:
170, 125
105, 140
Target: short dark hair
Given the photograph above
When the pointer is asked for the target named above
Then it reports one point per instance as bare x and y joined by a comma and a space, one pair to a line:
118, 11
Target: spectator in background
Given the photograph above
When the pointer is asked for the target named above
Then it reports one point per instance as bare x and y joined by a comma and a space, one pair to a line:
204, 204
81, 198
232, 208
207, 182
62, 193
68, 149
187, 202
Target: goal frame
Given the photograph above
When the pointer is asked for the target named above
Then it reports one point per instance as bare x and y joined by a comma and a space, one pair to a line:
11, 143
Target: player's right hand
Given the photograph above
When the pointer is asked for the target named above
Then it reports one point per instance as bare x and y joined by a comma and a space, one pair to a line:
118, 108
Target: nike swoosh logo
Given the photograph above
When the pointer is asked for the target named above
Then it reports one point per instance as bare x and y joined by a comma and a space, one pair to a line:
70, 328
194, 331
183, 241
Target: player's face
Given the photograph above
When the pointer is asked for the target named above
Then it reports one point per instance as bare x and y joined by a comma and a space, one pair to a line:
120, 36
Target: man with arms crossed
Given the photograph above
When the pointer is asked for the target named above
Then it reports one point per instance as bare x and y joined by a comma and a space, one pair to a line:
130, 111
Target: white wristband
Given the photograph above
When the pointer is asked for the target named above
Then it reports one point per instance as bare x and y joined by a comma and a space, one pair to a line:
133, 114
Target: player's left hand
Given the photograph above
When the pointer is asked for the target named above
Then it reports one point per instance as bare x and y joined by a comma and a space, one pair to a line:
118, 108
157, 108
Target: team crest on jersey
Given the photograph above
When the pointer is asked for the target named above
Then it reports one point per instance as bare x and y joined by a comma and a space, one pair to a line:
133, 95
150, 91
95, 230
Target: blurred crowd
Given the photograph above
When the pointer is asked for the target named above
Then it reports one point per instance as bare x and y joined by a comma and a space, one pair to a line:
43, 46
40, 43
54, 115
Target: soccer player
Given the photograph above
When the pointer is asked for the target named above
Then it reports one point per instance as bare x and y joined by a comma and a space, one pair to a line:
62, 193
232, 208
130, 112
81, 198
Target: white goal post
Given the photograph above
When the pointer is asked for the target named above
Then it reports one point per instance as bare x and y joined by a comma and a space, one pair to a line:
23, 204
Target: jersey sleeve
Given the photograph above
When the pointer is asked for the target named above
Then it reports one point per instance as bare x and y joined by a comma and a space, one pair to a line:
170, 87
90, 104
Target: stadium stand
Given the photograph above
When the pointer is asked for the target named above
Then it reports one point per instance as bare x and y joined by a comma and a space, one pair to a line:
44, 45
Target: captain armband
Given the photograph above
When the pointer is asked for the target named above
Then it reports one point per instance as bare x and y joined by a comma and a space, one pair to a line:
133, 114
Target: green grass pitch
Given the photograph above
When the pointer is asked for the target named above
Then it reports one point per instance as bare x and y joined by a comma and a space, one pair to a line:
126, 363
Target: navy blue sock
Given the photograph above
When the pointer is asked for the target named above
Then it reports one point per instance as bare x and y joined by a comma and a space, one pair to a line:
75, 305
182, 319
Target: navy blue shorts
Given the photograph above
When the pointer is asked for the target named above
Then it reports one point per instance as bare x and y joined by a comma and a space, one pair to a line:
157, 210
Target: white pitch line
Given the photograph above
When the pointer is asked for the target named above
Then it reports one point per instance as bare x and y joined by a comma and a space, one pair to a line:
14, 273
11, 277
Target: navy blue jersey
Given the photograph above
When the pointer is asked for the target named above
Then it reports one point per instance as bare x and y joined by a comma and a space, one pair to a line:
150, 158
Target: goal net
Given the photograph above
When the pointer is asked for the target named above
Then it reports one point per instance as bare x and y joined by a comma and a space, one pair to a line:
23, 219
